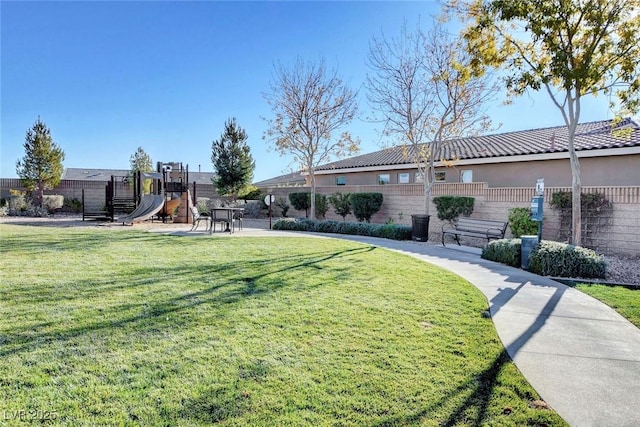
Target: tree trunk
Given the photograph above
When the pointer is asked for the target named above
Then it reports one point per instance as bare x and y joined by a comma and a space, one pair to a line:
427, 197
40, 192
573, 106
576, 207
312, 214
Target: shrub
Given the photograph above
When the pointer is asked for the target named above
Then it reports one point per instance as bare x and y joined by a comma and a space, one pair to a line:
250, 192
505, 251
36, 211
253, 209
52, 202
563, 260
17, 203
202, 204
388, 231
341, 204
322, 206
365, 205
563, 200
451, 207
72, 205
301, 202
520, 222
281, 202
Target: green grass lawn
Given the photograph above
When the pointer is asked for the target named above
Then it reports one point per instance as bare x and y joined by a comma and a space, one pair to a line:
624, 300
111, 327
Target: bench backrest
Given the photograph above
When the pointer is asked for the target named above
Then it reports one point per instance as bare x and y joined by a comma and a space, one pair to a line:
490, 227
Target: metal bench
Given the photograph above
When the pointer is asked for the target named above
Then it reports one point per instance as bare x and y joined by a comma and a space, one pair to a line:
480, 228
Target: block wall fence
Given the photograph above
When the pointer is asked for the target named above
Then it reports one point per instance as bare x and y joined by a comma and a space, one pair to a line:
620, 234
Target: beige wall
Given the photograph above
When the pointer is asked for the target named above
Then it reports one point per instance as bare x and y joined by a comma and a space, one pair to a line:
622, 236
603, 171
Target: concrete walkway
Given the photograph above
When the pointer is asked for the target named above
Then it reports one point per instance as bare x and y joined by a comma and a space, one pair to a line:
581, 356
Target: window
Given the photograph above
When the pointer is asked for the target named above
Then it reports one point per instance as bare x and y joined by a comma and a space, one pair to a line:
419, 177
341, 180
441, 176
403, 178
384, 178
466, 176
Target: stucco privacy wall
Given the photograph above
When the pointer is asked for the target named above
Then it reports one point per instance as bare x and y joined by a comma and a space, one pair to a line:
94, 191
621, 235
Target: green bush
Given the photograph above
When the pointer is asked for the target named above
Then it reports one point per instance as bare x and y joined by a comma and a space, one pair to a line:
563, 200
72, 205
520, 222
17, 204
281, 202
341, 204
52, 202
322, 206
250, 192
505, 251
563, 260
301, 202
365, 205
451, 207
388, 231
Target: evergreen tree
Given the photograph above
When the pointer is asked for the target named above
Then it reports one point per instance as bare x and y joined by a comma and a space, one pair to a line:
232, 160
41, 167
141, 161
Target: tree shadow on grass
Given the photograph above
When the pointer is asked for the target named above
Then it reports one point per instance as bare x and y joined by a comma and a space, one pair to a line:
240, 280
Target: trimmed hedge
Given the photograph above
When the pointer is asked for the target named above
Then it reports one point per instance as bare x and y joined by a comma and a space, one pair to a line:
365, 205
549, 258
505, 251
451, 207
563, 260
387, 231
301, 202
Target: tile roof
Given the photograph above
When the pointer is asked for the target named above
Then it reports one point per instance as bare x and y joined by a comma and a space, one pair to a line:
84, 174
589, 136
293, 179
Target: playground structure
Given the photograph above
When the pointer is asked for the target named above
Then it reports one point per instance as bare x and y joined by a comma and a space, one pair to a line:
169, 191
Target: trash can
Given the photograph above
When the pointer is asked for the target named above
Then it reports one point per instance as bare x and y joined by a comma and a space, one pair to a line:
528, 243
420, 227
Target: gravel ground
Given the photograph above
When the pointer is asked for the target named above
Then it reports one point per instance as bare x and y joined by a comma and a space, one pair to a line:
619, 269
623, 270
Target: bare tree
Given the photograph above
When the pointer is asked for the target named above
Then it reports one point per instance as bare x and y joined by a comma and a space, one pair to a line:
425, 91
310, 105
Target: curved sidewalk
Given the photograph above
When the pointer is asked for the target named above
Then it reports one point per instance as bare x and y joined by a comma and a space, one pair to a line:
580, 355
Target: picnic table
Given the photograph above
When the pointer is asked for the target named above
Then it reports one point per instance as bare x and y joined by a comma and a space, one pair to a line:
224, 215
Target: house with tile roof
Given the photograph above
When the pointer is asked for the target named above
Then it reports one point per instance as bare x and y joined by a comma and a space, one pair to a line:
293, 179
609, 155
87, 174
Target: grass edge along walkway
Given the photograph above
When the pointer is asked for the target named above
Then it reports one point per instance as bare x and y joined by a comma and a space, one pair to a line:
127, 328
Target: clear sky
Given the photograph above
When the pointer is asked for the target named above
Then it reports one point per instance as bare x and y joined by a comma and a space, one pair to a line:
108, 77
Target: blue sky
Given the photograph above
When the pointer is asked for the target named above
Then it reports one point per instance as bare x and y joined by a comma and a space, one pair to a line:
108, 77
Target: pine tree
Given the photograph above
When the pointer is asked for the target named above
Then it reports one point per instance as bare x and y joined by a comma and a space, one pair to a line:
141, 161
232, 160
41, 167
